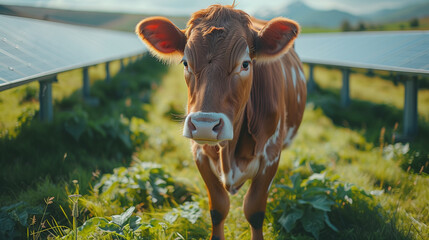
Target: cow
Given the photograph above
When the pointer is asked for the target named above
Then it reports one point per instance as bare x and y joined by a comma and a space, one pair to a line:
246, 99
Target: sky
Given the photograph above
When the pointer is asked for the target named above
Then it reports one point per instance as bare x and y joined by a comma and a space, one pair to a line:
185, 7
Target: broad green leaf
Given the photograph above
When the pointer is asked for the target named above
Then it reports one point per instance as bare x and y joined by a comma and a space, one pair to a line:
20, 217
135, 222
296, 182
341, 192
122, 218
328, 222
111, 227
317, 168
6, 224
288, 220
309, 192
13, 206
313, 222
75, 128
321, 202
91, 225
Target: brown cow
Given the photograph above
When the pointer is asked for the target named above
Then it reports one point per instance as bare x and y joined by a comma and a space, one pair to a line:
246, 98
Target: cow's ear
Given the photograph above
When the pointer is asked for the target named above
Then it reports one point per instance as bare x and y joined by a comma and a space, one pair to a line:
275, 38
162, 37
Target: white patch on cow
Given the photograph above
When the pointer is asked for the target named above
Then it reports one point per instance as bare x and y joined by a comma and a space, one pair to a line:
214, 168
293, 76
230, 179
235, 178
299, 98
302, 76
199, 155
271, 141
226, 178
289, 136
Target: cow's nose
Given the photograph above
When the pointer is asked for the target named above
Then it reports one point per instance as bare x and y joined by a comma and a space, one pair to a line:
204, 128
207, 128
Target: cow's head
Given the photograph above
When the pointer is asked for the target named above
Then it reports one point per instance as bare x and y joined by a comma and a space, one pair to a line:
218, 50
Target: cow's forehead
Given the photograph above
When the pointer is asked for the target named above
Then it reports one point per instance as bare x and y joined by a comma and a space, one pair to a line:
221, 44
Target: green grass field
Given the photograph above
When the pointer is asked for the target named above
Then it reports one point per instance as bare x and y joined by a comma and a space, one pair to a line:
363, 185
122, 170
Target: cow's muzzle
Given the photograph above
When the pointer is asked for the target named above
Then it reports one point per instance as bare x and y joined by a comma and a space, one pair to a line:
208, 128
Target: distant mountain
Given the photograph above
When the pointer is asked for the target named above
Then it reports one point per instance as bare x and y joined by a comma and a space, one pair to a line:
310, 17
399, 14
109, 20
307, 16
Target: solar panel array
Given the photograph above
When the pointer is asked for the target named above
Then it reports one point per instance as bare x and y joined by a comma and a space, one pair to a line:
32, 49
406, 51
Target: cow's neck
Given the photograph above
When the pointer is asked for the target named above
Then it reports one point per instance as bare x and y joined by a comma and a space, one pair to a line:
239, 151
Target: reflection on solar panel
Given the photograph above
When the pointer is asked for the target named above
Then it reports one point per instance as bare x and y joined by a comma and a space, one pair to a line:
32, 49
406, 51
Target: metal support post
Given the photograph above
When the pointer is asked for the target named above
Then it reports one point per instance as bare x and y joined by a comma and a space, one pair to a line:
107, 71
85, 88
311, 85
45, 100
410, 107
345, 90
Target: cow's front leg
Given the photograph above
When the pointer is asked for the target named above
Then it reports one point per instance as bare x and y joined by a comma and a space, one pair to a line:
255, 200
218, 198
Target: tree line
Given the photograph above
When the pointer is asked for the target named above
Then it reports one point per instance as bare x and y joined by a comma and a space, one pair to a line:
346, 26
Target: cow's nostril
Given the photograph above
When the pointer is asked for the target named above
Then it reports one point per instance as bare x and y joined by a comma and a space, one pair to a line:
218, 127
191, 126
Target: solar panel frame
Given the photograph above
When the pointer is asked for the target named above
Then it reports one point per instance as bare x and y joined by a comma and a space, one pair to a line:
405, 52
32, 49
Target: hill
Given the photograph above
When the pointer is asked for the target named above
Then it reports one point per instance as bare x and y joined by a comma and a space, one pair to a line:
108, 20
310, 17
399, 14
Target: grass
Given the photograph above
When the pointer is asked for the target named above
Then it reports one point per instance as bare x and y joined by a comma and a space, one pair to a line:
41, 159
382, 104
342, 144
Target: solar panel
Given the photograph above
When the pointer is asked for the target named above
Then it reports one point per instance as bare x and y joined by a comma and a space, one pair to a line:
406, 51
31, 49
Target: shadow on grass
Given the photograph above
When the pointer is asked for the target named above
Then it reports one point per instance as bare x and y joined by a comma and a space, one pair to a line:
369, 119
364, 220
83, 141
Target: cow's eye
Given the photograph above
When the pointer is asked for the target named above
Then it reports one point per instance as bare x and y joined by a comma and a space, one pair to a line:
185, 63
245, 66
